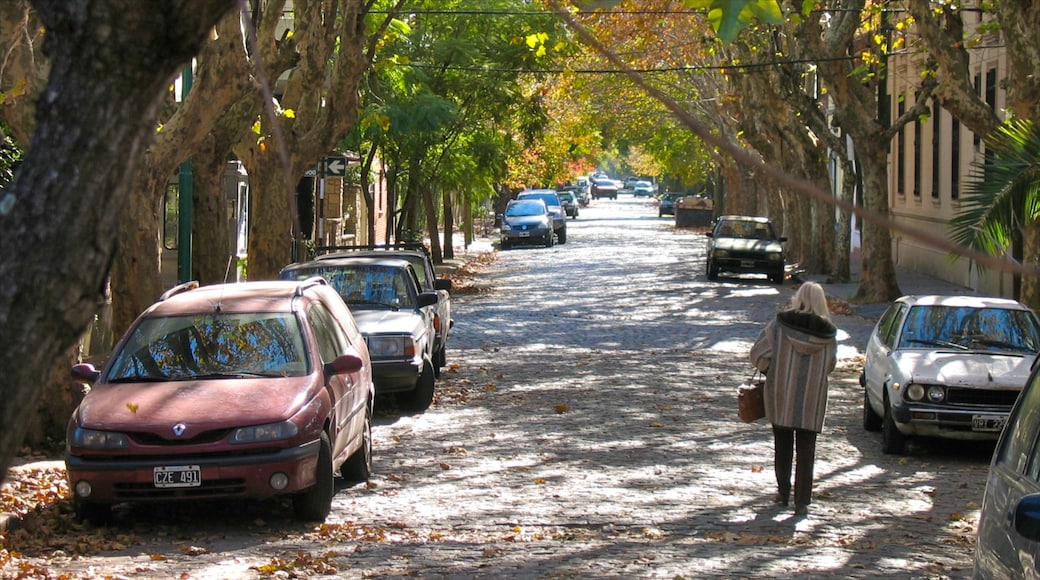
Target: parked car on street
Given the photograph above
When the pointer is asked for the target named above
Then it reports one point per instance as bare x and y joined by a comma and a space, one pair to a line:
643, 189
1008, 542
946, 366
552, 201
395, 316
745, 244
419, 257
526, 221
570, 203
581, 193
606, 188
232, 391
666, 203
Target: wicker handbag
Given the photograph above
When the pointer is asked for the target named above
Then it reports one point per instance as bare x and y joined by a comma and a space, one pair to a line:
751, 405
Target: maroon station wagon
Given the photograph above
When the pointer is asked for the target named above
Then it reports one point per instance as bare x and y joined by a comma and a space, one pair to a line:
231, 391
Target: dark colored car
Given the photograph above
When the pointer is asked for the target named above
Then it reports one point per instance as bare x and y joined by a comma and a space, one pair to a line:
419, 257
570, 203
232, 391
394, 316
946, 366
1008, 542
604, 188
666, 203
743, 245
552, 201
526, 221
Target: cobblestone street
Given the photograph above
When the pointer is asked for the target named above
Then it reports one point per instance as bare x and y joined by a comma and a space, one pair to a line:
586, 427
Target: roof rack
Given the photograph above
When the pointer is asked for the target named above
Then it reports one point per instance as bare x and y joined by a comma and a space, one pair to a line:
179, 289
310, 283
395, 246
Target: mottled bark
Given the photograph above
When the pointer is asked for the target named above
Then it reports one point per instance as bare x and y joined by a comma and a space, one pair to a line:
111, 61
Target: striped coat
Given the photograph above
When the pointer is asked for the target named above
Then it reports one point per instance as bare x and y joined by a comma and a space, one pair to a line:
797, 351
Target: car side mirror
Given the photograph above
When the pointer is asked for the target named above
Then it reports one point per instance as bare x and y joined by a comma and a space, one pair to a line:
428, 298
442, 284
1027, 517
86, 373
343, 364
782, 239
709, 234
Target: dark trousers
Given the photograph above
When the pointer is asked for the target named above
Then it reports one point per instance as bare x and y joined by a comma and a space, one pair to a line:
787, 442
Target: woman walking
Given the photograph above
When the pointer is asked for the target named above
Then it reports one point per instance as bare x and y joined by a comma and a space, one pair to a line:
796, 351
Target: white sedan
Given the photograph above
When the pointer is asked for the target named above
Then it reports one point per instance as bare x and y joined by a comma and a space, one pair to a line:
946, 366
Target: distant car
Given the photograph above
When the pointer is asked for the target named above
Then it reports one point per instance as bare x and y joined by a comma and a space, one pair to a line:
570, 203
745, 244
1008, 541
643, 189
552, 201
232, 391
581, 193
526, 221
604, 188
395, 316
419, 257
666, 203
946, 366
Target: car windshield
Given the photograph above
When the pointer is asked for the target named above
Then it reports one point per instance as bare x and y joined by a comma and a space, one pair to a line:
214, 345
527, 208
747, 229
365, 286
970, 328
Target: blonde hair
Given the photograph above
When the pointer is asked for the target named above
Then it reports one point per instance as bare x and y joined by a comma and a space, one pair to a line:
811, 298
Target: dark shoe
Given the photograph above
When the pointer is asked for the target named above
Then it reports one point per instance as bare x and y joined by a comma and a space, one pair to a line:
780, 499
801, 509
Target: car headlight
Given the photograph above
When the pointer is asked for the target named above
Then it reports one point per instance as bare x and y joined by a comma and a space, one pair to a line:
915, 392
91, 439
260, 433
506, 227
391, 347
936, 394
775, 257
721, 253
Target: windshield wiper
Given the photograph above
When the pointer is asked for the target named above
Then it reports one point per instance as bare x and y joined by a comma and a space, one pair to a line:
139, 379
935, 342
1001, 344
377, 304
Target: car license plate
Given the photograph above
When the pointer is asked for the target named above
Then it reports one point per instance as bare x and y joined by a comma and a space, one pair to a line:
987, 422
177, 476
747, 263
525, 234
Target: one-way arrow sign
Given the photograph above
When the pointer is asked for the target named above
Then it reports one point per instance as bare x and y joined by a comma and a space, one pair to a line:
335, 166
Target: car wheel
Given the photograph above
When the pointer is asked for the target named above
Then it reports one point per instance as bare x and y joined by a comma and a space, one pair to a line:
871, 420
505, 245
550, 240
777, 277
421, 397
95, 513
358, 467
713, 270
660, 213
893, 442
440, 358
562, 235
314, 503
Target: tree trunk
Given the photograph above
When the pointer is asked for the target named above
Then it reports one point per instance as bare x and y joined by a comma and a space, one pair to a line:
1030, 295
878, 283
448, 251
136, 270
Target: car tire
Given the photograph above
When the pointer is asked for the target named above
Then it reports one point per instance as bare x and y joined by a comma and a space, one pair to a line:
358, 467
871, 420
504, 245
314, 503
562, 235
421, 397
550, 240
777, 277
95, 513
440, 358
713, 271
893, 442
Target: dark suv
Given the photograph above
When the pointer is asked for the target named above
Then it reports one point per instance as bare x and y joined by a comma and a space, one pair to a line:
745, 244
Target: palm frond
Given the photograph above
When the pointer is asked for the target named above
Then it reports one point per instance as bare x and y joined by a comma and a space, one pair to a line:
1003, 192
